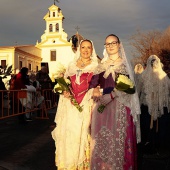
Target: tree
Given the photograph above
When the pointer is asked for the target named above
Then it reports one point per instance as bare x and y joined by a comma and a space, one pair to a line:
144, 44
152, 42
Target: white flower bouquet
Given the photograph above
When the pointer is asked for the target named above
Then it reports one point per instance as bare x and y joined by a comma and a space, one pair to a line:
62, 85
59, 71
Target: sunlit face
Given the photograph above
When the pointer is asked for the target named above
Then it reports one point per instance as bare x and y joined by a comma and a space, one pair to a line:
86, 49
112, 45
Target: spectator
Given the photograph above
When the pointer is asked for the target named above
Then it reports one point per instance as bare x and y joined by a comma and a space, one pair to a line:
154, 92
46, 84
138, 70
2, 94
43, 78
38, 97
18, 82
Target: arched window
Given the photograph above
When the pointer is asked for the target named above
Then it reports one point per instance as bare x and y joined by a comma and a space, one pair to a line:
57, 27
53, 14
50, 27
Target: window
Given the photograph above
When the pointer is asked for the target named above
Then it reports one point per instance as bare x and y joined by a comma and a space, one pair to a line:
57, 27
53, 14
29, 66
36, 68
20, 64
50, 27
53, 55
3, 63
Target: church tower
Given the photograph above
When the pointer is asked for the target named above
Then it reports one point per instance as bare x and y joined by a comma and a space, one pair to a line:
54, 45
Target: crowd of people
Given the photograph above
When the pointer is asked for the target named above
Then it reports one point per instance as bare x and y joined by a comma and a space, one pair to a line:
112, 137
118, 123
29, 96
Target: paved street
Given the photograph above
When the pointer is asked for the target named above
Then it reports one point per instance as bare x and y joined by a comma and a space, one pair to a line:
27, 146
30, 147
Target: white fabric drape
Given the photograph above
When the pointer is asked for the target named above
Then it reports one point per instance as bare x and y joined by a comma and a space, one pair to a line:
72, 131
154, 87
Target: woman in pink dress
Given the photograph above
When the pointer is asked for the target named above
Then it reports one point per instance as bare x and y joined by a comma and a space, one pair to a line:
113, 132
71, 134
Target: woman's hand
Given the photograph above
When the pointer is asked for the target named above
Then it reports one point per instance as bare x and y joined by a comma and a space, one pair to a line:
96, 94
66, 94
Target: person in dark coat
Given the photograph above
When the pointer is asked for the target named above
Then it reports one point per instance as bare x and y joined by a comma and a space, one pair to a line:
2, 94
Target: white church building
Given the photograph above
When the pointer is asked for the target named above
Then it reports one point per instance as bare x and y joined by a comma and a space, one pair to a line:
53, 47
54, 44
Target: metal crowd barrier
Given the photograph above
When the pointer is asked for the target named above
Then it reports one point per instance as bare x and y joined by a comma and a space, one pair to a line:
17, 102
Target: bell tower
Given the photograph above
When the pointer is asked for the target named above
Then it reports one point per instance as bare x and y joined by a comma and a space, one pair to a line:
54, 19
54, 44
54, 24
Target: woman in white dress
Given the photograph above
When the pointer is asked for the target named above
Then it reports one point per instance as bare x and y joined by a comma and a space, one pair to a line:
72, 134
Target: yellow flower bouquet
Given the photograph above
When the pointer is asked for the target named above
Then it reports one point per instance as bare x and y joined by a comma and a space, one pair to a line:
123, 83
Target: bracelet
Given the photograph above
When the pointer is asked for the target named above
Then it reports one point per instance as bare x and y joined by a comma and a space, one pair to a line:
111, 96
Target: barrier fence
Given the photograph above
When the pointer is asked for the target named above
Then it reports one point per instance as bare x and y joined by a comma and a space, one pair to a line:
17, 102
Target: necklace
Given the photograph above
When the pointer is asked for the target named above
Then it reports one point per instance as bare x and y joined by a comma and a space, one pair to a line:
115, 60
84, 63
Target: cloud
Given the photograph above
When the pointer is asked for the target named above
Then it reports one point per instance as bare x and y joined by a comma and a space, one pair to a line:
22, 20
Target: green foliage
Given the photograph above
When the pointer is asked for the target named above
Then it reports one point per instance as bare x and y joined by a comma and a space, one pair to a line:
5, 71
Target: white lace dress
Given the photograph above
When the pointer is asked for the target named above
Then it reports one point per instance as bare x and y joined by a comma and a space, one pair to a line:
71, 134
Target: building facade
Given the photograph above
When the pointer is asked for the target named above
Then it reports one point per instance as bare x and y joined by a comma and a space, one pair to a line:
54, 44
20, 56
53, 47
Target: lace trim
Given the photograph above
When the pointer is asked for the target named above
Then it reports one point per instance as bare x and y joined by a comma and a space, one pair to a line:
117, 68
72, 69
154, 86
109, 147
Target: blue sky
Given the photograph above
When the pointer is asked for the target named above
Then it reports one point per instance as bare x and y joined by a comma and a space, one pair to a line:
22, 20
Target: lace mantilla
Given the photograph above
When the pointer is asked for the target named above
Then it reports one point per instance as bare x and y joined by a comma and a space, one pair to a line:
154, 87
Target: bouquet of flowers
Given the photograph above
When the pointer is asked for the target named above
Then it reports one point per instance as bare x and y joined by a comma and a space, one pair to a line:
64, 85
59, 72
123, 83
